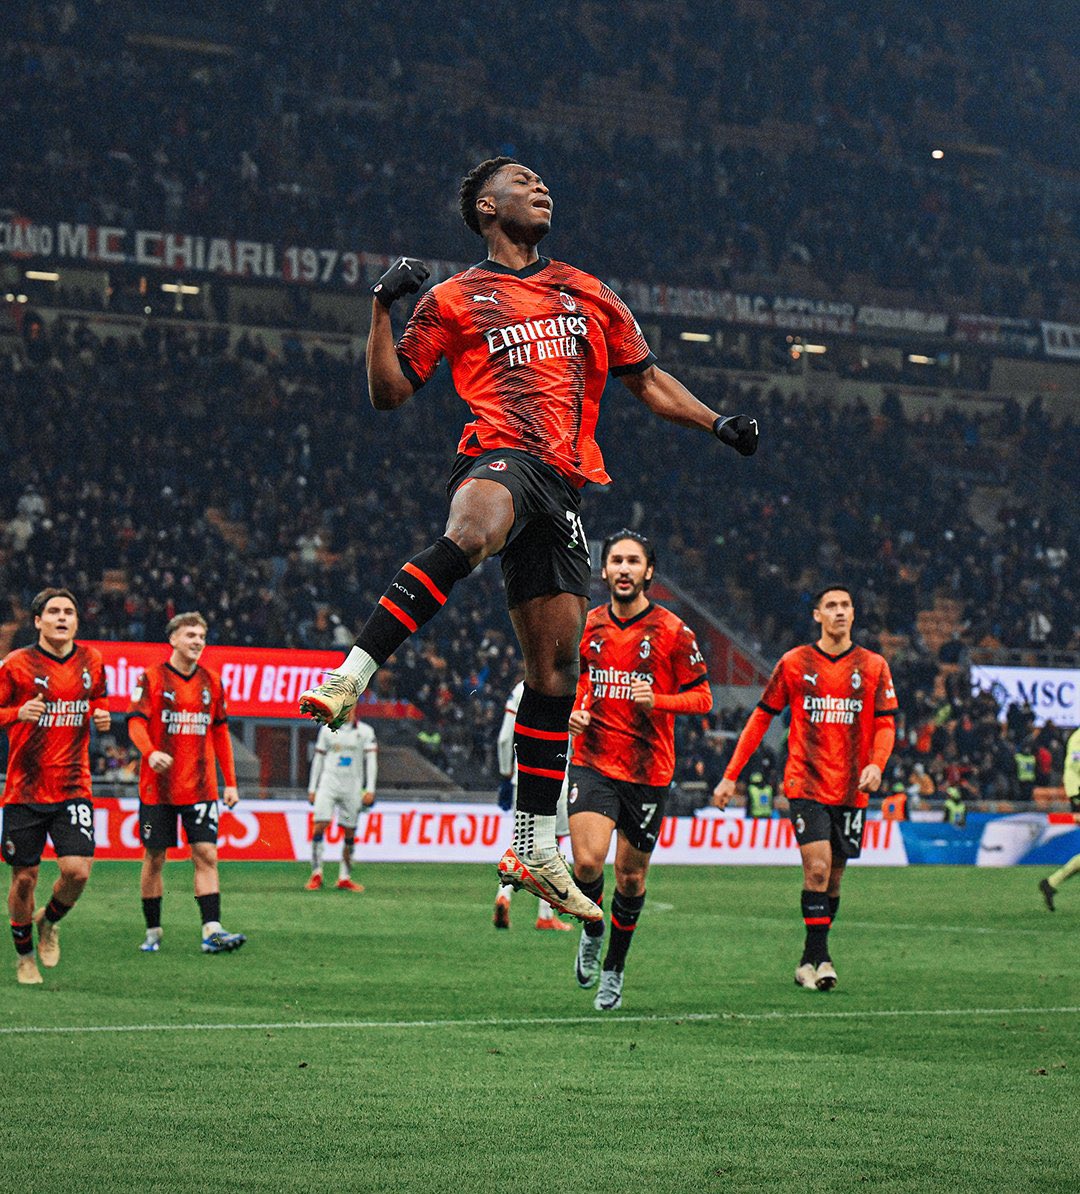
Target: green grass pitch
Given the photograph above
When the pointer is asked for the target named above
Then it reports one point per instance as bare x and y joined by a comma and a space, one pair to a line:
395, 1041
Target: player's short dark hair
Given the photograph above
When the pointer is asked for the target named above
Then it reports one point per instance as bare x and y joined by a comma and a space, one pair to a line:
641, 540
473, 183
832, 589
46, 595
191, 618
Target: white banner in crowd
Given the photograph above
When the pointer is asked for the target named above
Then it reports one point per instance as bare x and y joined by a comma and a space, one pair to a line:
1061, 340
1052, 692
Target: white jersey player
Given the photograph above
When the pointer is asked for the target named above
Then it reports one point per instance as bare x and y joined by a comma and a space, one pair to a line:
344, 769
545, 917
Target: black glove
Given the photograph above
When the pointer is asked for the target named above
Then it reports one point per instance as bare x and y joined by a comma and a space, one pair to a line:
405, 276
506, 794
739, 431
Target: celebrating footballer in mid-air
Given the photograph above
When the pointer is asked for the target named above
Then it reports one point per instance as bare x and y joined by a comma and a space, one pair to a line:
842, 705
530, 342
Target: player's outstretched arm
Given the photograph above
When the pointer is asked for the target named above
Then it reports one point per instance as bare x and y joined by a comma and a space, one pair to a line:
388, 387
667, 397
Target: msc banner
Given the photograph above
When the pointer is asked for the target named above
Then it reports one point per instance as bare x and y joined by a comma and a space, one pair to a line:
258, 681
280, 831
1052, 692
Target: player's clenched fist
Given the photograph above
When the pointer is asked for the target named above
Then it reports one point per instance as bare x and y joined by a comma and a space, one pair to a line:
579, 720
739, 432
405, 276
32, 710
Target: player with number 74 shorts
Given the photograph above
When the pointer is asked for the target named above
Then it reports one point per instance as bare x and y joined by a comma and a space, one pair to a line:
843, 706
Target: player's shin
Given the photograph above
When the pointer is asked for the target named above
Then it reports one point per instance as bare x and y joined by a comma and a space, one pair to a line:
625, 910
540, 746
23, 937
816, 918
415, 596
593, 890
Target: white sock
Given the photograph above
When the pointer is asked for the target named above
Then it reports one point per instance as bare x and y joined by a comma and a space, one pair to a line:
360, 666
543, 910
212, 926
342, 871
154, 934
534, 836
505, 892
316, 857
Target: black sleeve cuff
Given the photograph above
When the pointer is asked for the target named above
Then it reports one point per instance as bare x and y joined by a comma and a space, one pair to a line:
886, 712
414, 379
142, 716
769, 709
221, 721
637, 367
695, 683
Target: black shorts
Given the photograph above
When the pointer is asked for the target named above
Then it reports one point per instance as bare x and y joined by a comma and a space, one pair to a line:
636, 809
838, 824
546, 551
158, 829
69, 824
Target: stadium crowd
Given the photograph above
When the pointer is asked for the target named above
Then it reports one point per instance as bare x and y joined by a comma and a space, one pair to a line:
265, 492
806, 166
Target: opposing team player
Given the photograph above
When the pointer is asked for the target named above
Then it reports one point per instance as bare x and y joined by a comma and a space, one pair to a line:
1071, 778
344, 770
843, 706
50, 694
640, 666
530, 342
178, 722
546, 920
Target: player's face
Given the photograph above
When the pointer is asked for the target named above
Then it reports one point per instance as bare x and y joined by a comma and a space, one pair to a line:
520, 203
58, 621
835, 613
626, 570
188, 642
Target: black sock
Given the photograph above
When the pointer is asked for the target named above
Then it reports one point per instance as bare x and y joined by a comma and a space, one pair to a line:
541, 738
56, 910
415, 596
24, 937
592, 891
834, 906
210, 907
815, 912
625, 910
151, 910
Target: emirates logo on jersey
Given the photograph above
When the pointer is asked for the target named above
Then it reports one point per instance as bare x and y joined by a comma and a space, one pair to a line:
568, 301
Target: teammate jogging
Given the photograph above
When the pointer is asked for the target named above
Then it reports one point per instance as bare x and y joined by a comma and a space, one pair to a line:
843, 706
50, 694
178, 723
640, 666
530, 342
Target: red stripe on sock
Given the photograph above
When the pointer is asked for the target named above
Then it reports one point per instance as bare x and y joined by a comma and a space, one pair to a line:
541, 771
426, 581
817, 920
400, 614
625, 928
546, 735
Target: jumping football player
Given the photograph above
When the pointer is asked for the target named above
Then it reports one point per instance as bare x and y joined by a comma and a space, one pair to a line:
843, 707
530, 342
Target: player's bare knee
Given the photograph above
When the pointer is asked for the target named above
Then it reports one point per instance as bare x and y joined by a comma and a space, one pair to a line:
816, 875
630, 882
75, 871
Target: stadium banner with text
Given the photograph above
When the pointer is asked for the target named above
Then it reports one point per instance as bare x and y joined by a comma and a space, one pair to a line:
993, 331
987, 839
258, 681
280, 831
1052, 692
1061, 340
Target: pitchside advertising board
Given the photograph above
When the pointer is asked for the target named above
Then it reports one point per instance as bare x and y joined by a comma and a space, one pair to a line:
280, 831
258, 681
1052, 692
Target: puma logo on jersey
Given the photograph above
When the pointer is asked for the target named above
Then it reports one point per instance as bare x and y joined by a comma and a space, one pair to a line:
493, 297
810, 679
41, 681
595, 644
168, 696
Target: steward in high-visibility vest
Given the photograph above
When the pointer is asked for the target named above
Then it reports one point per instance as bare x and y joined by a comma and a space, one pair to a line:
759, 796
955, 808
894, 806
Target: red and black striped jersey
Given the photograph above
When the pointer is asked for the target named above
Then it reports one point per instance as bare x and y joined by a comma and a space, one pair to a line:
627, 741
834, 700
530, 352
49, 762
180, 714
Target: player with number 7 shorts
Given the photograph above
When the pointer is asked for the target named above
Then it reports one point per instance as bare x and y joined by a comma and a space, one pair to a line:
843, 706
50, 695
